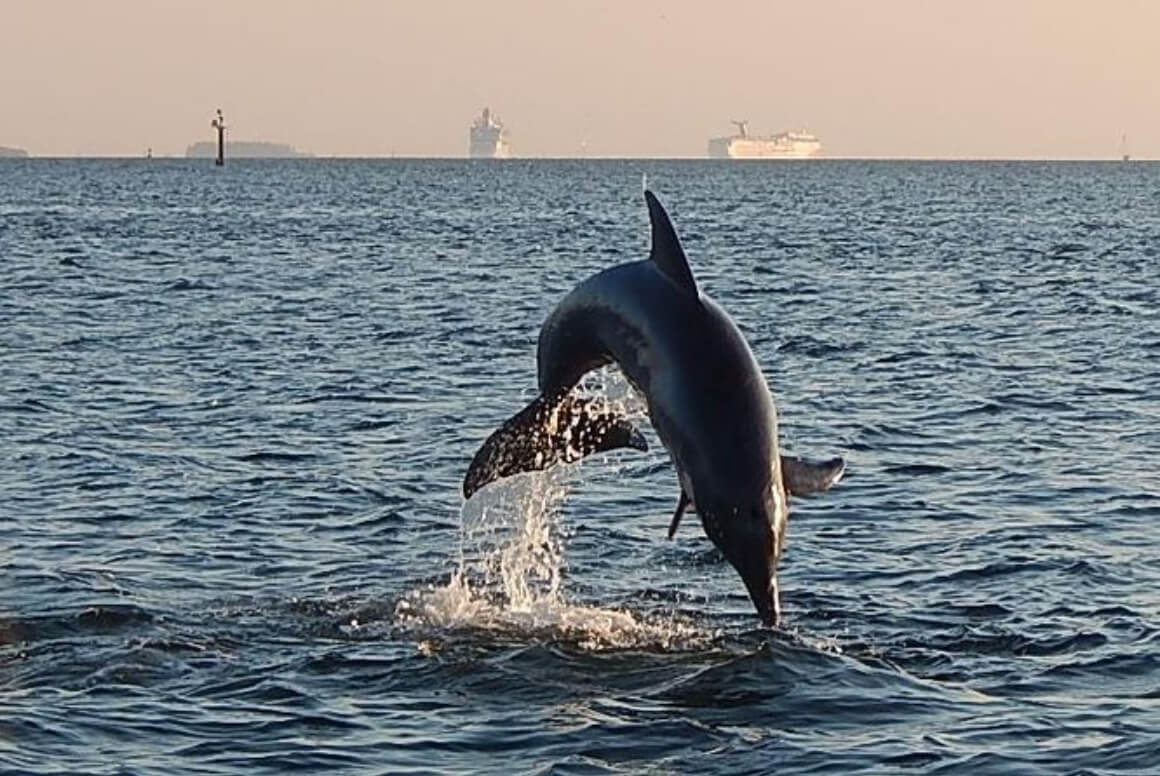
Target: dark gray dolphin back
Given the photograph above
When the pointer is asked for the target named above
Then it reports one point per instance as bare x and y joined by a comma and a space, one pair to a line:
575, 339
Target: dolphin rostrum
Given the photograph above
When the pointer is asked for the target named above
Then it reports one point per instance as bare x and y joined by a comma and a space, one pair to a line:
706, 398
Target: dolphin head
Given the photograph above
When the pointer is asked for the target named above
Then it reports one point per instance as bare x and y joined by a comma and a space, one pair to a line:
749, 532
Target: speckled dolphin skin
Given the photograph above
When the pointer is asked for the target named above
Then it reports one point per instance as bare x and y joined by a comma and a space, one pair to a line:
707, 399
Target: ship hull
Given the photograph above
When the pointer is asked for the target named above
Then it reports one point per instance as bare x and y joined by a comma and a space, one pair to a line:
779, 147
494, 149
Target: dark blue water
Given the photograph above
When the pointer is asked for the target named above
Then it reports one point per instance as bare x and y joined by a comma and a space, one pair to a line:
236, 407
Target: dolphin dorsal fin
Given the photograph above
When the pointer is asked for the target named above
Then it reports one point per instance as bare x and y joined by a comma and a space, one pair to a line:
667, 252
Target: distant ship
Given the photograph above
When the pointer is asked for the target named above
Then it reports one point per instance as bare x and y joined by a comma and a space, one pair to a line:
489, 138
784, 145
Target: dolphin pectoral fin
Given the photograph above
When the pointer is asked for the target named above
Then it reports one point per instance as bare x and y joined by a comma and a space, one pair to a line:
801, 477
547, 432
667, 252
682, 502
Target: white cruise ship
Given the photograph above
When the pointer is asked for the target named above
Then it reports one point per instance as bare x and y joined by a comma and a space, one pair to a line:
784, 145
489, 138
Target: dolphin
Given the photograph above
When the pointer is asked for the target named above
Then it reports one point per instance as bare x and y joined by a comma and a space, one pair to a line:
706, 397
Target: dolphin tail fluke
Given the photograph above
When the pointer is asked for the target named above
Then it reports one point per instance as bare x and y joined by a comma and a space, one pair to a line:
803, 477
550, 431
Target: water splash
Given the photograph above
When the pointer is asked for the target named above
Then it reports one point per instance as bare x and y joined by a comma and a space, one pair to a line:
509, 575
509, 581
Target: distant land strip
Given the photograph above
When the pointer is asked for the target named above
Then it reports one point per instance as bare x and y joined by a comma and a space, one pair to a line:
246, 149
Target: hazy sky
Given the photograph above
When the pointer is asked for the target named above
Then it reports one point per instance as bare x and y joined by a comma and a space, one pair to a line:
985, 78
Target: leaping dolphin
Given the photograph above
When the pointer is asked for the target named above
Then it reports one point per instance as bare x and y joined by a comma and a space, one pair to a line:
706, 398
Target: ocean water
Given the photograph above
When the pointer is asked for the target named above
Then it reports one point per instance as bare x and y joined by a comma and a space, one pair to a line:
236, 407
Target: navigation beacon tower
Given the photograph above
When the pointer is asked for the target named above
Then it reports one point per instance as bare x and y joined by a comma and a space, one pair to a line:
220, 125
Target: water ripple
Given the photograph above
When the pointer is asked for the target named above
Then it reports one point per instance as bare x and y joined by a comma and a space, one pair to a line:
237, 406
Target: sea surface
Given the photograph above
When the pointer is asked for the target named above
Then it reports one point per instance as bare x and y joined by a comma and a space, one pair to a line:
236, 407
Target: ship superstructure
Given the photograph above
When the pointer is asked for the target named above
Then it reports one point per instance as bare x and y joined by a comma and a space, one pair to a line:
488, 137
784, 145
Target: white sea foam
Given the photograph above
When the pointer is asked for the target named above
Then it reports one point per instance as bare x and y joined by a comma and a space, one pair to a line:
509, 580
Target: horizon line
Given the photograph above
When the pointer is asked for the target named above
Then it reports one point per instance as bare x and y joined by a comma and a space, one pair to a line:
587, 158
